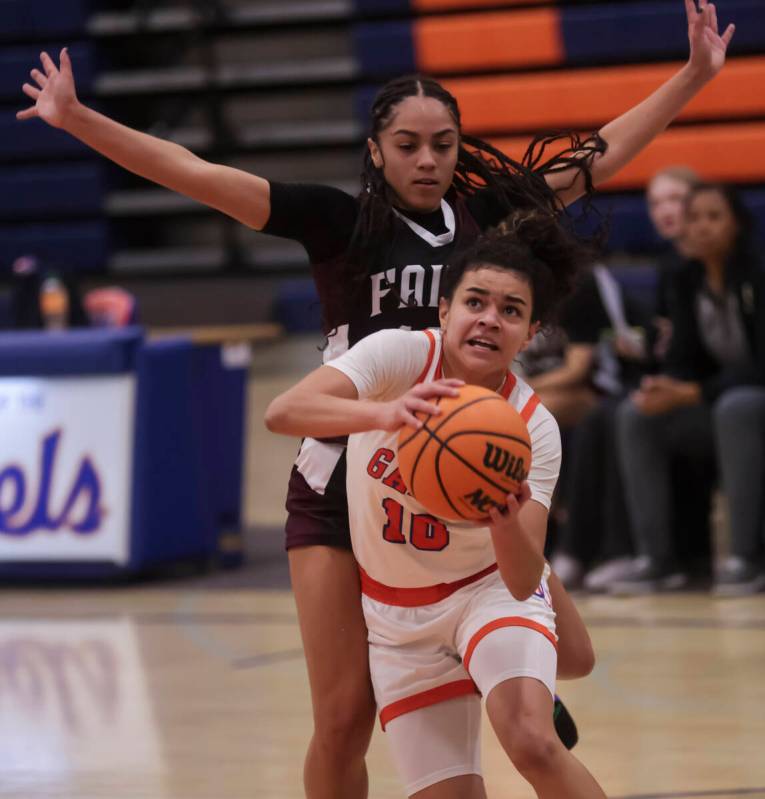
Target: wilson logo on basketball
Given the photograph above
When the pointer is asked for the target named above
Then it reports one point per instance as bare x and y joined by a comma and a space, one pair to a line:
504, 462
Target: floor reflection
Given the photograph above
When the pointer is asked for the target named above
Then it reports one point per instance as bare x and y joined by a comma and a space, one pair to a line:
74, 697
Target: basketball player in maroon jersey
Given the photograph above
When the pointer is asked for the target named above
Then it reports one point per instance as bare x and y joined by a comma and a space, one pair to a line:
377, 260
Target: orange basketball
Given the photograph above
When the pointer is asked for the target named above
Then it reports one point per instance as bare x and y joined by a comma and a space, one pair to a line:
467, 459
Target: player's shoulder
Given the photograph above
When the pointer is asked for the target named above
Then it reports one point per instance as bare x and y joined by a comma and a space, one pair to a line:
527, 402
407, 347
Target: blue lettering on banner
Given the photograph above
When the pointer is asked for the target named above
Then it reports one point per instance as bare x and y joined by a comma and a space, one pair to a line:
86, 488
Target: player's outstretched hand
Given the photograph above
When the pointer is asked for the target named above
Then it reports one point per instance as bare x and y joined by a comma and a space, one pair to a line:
708, 47
401, 411
503, 520
54, 93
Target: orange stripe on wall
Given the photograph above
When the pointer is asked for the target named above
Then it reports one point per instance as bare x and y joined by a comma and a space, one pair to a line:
450, 5
488, 41
595, 96
734, 153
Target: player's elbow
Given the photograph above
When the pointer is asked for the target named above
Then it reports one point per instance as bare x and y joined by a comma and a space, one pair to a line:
278, 415
519, 587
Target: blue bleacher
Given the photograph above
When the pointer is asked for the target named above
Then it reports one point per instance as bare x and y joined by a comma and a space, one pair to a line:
34, 139
52, 189
76, 246
649, 30
22, 19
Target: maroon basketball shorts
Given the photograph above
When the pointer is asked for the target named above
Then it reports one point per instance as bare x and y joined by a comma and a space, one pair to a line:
316, 519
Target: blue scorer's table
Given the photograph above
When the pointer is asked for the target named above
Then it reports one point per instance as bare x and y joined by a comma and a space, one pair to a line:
117, 453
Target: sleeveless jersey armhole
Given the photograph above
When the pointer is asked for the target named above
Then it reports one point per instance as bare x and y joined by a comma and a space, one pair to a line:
431, 353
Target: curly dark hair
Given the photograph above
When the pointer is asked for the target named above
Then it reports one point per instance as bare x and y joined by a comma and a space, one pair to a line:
533, 244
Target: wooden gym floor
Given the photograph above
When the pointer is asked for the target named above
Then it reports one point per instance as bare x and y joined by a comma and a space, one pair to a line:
194, 687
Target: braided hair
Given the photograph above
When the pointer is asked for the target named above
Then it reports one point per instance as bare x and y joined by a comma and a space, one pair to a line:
517, 184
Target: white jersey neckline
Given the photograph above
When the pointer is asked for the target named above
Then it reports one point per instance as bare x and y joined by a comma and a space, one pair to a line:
435, 241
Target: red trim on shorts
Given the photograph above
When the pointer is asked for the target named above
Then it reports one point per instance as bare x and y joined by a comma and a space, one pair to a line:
431, 353
508, 621
441, 693
529, 408
415, 597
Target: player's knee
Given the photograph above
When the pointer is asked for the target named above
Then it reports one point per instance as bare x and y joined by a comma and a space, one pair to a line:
532, 748
343, 728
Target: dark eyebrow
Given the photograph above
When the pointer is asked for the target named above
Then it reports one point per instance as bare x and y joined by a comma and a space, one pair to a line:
485, 293
405, 132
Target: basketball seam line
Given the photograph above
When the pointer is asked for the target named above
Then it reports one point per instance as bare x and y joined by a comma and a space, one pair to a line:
451, 413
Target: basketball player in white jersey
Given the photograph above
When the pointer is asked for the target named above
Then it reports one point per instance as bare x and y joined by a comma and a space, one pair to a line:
455, 611
377, 260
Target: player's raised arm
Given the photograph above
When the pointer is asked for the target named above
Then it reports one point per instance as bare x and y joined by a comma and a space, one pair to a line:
243, 196
627, 135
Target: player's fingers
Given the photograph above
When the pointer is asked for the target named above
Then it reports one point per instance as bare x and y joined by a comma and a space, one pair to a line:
30, 91
422, 406
512, 503
27, 113
443, 388
38, 76
410, 420
65, 61
47, 64
728, 35
495, 517
713, 17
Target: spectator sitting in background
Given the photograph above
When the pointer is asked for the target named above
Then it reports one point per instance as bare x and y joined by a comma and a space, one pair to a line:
710, 402
692, 481
42, 299
666, 197
613, 332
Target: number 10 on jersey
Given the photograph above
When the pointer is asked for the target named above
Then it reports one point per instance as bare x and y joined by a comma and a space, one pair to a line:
425, 531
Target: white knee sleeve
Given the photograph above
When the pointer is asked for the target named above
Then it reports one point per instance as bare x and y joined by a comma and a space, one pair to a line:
437, 742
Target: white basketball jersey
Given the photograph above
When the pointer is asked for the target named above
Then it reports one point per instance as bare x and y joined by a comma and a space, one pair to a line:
395, 540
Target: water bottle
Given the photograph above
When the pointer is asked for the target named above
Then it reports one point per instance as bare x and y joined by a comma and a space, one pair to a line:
54, 304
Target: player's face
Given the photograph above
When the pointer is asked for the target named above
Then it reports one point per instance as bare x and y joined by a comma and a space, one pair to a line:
417, 152
486, 324
666, 205
711, 225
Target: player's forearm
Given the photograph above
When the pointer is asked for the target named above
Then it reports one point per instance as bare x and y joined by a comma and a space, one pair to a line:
158, 160
630, 133
520, 562
302, 413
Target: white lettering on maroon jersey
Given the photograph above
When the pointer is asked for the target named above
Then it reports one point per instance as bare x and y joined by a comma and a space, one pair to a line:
435, 284
411, 286
378, 292
407, 290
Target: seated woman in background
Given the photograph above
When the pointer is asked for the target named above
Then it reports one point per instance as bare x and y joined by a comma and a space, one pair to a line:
710, 402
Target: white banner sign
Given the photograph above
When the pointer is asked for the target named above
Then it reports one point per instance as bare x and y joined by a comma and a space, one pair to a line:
66, 456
